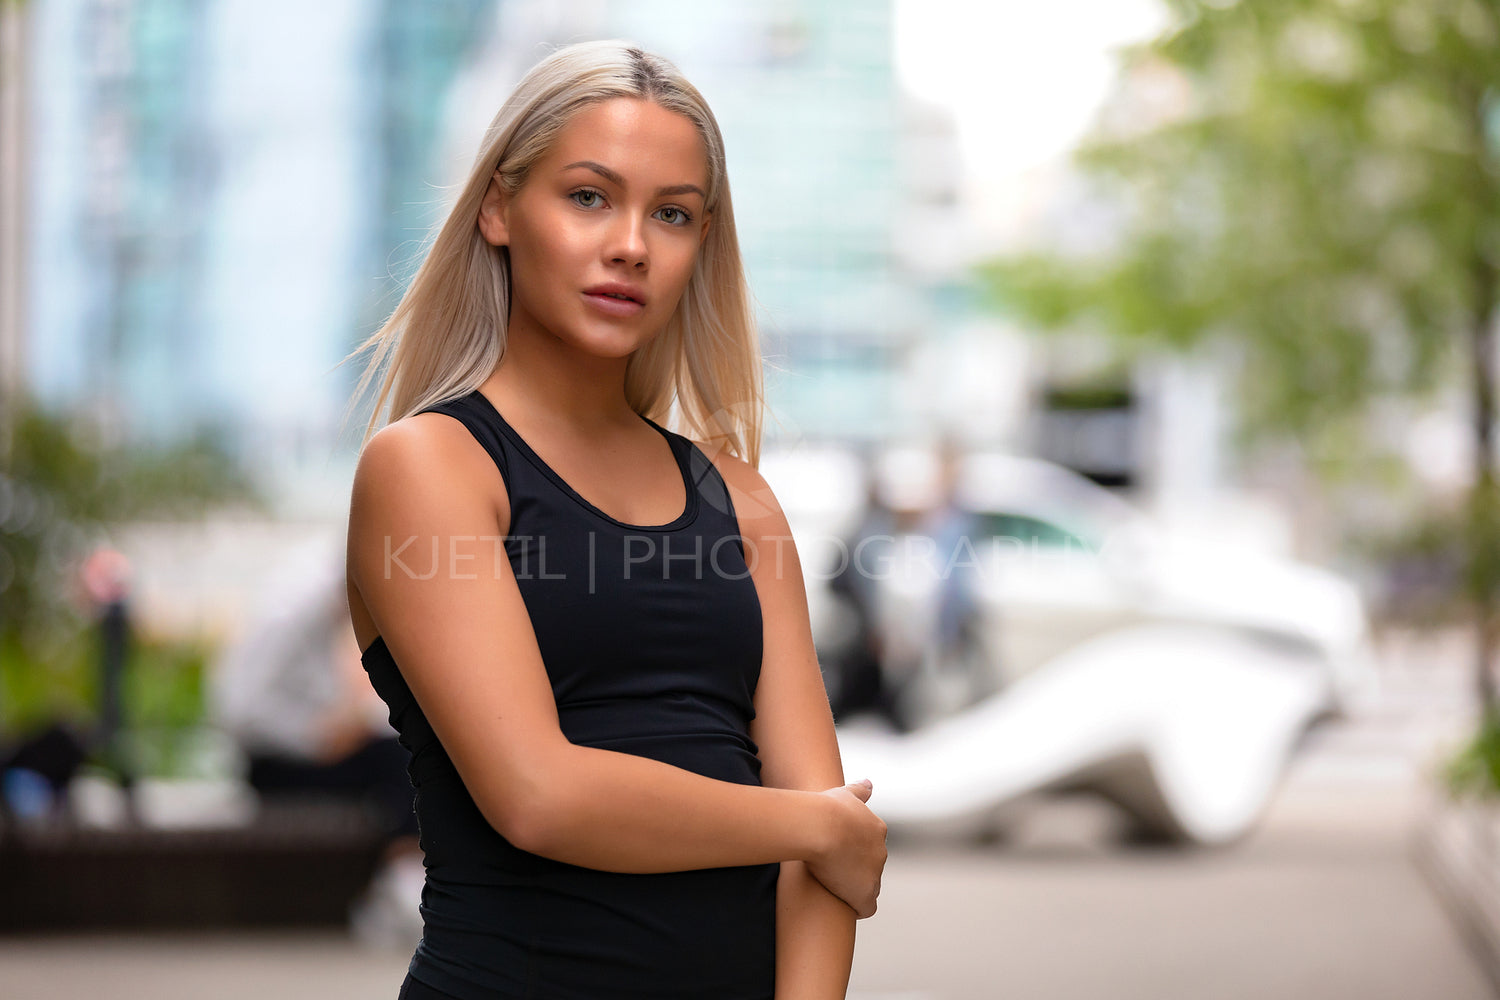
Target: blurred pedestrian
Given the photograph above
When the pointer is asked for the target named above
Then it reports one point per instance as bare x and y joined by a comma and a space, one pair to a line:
954, 531
292, 692
860, 684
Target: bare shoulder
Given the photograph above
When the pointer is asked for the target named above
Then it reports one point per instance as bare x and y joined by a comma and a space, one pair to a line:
422, 439
754, 500
423, 475
427, 454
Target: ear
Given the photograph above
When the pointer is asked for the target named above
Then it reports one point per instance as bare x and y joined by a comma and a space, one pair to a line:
492, 214
708, 218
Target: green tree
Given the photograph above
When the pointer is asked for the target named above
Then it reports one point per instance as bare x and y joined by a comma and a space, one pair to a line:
1321, 191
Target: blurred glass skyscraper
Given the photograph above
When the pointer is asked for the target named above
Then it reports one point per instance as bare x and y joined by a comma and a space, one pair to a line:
216, 189
228, 196
121, 180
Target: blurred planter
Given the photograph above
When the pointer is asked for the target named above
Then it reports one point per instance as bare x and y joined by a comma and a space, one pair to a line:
292, 864
1458, 846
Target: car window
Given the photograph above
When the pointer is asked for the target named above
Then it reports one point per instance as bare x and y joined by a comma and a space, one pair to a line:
1031, 531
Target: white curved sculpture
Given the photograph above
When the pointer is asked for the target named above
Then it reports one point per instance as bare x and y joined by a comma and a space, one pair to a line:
1187, 727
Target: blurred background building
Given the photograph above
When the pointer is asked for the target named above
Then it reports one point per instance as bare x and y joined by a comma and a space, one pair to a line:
217, 200
221, 209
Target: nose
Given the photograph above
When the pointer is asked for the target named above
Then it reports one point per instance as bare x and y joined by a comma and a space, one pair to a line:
627, 241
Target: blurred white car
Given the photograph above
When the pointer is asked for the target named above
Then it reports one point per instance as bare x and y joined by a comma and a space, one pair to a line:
1173, 673
1064, 560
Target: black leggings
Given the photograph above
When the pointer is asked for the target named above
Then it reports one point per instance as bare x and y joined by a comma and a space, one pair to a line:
375, 773
412, 989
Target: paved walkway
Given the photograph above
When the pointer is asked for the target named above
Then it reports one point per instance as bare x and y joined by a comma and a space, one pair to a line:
1321, 902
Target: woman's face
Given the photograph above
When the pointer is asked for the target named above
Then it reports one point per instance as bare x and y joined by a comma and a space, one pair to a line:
605, 230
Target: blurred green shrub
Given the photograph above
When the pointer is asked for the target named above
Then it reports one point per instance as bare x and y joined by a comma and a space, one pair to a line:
1475, 768
62, 491
164, 692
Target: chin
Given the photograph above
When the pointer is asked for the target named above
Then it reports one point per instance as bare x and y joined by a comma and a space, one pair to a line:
610, 347
607, 343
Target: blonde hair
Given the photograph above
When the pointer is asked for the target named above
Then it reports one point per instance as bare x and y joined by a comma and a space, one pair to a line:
448, 332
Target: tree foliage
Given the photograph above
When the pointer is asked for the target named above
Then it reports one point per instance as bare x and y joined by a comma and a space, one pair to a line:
1321, 191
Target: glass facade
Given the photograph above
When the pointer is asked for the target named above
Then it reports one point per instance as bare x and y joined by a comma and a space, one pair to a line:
217, 194
121, 178
229, 196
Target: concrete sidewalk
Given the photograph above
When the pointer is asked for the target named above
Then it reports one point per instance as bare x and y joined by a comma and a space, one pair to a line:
1322, 902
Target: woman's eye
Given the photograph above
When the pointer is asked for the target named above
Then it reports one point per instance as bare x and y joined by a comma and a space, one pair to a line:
676, 216
586, 198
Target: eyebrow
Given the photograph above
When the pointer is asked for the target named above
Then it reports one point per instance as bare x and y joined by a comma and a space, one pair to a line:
615, 178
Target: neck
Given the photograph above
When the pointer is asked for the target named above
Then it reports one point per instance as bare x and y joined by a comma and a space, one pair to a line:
542, 375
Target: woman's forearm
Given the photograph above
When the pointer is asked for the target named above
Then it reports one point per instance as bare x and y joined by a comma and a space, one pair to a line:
814, 938
620, 812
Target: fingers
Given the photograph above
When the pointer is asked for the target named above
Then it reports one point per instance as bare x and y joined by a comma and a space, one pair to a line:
861, 789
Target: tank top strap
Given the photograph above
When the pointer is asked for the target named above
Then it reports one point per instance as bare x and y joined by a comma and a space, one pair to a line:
712, 491
484, 430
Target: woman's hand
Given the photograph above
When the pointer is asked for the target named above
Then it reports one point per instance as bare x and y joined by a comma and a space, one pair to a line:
851, 865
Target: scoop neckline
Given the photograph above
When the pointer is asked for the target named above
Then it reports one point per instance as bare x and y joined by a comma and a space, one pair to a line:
690, 504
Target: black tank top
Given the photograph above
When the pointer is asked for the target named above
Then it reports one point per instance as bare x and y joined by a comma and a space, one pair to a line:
651, 637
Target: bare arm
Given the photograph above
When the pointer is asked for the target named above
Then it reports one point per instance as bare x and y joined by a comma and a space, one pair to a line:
794, 731
426, 515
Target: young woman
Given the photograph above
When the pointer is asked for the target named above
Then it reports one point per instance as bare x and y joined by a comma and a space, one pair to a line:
591, 631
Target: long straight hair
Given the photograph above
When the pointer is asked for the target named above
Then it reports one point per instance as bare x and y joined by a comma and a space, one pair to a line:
448, 332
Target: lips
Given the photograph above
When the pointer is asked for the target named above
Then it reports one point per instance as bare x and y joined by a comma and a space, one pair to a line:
618, 304
618, 292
